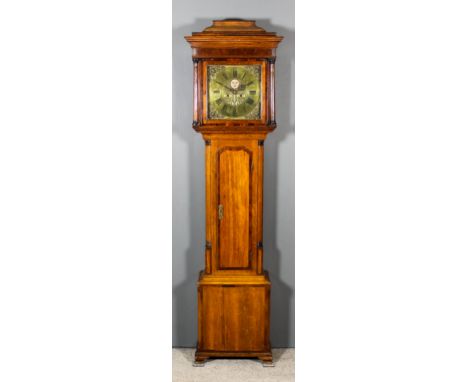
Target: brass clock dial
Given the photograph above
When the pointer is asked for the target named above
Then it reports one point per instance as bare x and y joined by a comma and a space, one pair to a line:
234, 92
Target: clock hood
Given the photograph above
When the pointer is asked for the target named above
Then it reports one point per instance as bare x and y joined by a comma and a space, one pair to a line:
234, 34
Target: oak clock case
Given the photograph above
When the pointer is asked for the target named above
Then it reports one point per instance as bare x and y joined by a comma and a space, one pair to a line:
234, 110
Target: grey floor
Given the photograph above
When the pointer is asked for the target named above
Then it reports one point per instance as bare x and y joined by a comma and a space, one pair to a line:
232, 370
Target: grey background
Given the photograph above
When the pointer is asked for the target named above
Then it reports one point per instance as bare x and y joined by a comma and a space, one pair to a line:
188, 185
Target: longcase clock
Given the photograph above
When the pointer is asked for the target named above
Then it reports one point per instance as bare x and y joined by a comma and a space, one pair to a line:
234, 110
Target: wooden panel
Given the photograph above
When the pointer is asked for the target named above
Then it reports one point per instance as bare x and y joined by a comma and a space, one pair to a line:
234, 187
212, 327
244, 318
259, 205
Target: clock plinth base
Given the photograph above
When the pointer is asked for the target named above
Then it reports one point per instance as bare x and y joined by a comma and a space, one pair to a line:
234, 317
201, 356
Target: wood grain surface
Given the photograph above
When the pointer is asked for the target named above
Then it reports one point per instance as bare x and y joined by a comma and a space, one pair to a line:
235, 203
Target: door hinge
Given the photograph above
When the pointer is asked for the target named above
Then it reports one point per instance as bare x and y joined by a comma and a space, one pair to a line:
220, 211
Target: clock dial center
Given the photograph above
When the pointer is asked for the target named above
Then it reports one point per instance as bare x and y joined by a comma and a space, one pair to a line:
235, 83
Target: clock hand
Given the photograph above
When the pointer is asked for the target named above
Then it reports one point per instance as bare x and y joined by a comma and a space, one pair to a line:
227, 87
243, 86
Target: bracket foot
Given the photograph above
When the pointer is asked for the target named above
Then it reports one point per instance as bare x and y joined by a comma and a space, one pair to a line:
267, 361
199, 361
